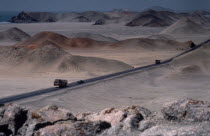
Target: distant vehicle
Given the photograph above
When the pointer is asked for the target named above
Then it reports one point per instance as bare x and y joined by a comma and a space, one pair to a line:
80, 81
60, 83
192, 45
157, 62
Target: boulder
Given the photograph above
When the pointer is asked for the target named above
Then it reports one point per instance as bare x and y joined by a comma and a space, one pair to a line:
123, 120
12, 117
177, 130
117, 116
74, 129
186, 117
46, 116
188, 110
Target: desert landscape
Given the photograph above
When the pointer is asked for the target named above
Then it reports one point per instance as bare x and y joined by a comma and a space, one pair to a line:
169, 98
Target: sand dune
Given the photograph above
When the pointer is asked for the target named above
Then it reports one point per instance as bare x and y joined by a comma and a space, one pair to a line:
185, 27
13, 35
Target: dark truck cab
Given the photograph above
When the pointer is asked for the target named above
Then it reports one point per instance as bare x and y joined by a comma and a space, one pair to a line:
60, 83
157, 62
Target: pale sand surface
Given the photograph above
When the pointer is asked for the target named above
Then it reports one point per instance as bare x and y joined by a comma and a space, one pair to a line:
135, 58
12, 83
147, 89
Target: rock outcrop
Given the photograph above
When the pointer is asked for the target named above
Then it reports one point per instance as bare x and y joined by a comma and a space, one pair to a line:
186, 117
100, 22
23, 17
188, 110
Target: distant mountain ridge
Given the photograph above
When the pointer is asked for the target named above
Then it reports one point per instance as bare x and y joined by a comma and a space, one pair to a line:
155, 17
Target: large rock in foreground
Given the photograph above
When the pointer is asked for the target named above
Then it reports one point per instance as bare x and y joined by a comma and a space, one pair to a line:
188, 109
181, 118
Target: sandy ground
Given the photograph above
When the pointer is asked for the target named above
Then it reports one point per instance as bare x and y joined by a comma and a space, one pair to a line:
149, 89
12, 83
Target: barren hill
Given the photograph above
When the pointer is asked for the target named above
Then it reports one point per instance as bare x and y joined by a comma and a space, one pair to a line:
185, 27
42, 38
148, 20
194, 62
13, 35
151, 44
53, 58
64, 42
155, 18
200, 17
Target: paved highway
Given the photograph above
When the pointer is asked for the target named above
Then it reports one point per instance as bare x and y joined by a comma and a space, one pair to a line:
93, 80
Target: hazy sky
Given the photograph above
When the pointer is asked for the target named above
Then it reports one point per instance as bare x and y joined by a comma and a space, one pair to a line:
81, 5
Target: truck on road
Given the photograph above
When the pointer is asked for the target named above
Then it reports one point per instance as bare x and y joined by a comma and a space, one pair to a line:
60, 83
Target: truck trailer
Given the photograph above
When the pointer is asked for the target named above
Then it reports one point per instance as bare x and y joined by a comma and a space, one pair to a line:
60, 83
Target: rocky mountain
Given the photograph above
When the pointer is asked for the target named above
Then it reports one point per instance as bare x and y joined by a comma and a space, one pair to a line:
156, 18
150, 17
33, 17
148, 20
186, 117
23, 17
88, 16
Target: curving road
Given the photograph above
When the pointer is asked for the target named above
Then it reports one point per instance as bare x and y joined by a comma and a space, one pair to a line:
93, 80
